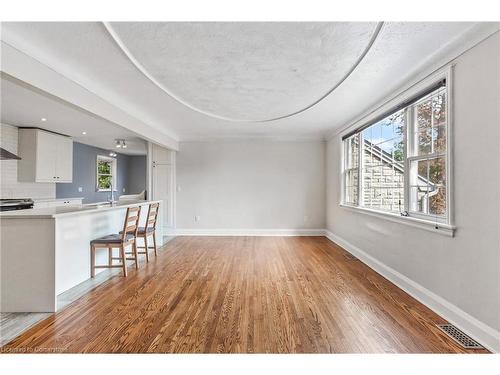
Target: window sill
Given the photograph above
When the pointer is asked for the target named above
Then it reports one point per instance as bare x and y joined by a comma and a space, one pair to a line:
443, 229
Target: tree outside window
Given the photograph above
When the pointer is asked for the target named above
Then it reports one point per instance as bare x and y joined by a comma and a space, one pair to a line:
402, 161
106, 173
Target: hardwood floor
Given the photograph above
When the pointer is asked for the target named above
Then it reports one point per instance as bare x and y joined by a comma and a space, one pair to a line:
243, 295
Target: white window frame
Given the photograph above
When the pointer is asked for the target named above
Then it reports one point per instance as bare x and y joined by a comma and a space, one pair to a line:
444, 225
411, 157
346, 170
113, 171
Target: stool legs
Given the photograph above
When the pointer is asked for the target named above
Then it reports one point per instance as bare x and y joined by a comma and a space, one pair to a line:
147, 244
146, 248
124, 262
122, 256
134, 248
154, 242
110, 256
92, 261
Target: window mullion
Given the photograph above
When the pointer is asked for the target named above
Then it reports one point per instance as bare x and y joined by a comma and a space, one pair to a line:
426, 156
408, 150
345, 151
360, 170
343, 169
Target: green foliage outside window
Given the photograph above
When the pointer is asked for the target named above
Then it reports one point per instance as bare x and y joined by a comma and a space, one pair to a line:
104, 167
104, 174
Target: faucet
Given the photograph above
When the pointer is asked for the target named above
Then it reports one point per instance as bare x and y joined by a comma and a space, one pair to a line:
112, 195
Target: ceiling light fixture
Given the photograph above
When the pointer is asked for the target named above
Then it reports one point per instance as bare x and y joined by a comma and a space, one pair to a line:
43, 119
112, 154
84, 133
120, 143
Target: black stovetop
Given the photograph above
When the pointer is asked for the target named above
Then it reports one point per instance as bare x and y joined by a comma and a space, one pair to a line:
15, 204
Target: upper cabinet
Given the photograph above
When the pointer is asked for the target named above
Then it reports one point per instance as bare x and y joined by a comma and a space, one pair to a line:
45, 156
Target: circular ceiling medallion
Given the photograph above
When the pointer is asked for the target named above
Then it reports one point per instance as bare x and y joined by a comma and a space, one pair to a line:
246, 71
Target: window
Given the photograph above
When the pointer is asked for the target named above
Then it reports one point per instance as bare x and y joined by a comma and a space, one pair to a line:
383, 163
351, 167
398, 163
106, 173
427, 157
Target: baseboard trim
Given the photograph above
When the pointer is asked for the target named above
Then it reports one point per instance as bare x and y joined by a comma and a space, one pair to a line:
481, 332
247, 232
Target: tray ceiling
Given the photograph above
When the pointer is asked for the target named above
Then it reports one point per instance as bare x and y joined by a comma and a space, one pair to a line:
245, 71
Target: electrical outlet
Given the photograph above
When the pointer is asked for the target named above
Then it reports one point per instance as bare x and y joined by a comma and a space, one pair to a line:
197, 218
178, 188
80, 189
306, 219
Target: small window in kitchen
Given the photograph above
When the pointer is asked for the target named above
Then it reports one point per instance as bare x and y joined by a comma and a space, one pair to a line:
106, 173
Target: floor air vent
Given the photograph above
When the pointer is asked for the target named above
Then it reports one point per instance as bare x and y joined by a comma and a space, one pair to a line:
459, 337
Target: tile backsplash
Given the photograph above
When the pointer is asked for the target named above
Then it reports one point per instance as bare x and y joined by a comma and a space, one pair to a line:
9, 186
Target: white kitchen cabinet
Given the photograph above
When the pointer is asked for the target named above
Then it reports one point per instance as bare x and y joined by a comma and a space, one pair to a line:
45, 203
45, 156
66, 202
46, 145
64, 159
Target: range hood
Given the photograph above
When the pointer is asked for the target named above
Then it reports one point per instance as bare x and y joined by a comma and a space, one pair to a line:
7, 155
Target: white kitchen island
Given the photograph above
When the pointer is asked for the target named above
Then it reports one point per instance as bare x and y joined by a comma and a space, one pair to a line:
44, 252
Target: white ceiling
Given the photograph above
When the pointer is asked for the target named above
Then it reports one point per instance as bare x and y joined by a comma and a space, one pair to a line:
247, 71
23, 105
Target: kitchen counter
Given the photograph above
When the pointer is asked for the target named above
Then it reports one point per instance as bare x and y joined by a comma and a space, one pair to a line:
46, 251
62, 211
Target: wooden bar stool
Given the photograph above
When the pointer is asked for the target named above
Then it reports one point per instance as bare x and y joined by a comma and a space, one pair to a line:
128, 236
149, 230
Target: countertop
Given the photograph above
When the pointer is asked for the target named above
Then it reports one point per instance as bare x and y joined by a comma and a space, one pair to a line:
64, 211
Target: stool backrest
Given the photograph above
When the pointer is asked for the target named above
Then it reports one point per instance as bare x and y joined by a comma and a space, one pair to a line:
131, 224
152, 215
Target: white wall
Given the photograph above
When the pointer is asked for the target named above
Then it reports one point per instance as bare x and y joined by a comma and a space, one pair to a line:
9, 187
251, 184
464, 270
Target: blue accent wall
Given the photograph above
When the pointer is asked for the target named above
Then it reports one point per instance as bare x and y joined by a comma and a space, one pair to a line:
131, 175
136, 181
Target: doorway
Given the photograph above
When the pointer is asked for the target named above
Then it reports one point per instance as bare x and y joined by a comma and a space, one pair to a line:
162, 182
